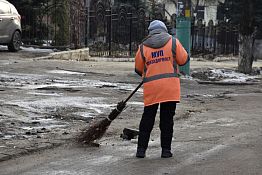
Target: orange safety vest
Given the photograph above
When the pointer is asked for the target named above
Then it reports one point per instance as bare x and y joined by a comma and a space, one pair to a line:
159, 69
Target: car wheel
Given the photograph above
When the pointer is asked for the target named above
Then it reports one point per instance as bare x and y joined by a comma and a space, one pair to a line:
15, 43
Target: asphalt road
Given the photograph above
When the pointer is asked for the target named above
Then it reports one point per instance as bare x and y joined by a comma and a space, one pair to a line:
227, 139
217, 128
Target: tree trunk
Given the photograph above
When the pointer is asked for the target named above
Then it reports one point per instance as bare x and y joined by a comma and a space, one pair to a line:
246, 54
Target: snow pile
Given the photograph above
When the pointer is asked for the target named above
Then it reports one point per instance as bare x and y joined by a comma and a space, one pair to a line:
230, 76
224, 75
3, 47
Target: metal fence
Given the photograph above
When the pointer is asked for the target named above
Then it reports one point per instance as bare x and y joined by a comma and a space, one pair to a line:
110, 30
118, 33
118, 30
221, 39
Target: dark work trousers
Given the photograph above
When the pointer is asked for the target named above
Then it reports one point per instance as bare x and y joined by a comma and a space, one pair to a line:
167, 112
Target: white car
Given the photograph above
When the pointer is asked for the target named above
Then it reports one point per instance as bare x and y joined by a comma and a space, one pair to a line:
10, 26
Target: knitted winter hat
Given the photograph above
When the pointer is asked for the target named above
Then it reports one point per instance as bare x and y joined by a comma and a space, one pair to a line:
156, 24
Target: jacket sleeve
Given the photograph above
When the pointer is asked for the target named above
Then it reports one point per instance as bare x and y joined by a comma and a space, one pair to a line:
139, 63
181, 54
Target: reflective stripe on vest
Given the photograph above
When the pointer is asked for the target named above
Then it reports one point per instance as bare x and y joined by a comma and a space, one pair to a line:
159, 76
143, 57
174, 53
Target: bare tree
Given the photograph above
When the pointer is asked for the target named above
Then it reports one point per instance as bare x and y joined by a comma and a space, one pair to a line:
248, 15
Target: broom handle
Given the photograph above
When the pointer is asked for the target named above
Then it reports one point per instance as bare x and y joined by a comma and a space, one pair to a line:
140, 84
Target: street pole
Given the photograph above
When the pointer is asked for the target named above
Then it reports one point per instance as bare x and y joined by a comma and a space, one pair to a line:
183, 29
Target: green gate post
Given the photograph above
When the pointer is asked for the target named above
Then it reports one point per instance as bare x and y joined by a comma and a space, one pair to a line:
183, 32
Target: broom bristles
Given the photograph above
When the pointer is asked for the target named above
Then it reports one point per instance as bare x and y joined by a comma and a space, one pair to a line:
97, 129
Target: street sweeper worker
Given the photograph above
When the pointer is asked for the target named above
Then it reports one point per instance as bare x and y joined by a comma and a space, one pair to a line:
157, 61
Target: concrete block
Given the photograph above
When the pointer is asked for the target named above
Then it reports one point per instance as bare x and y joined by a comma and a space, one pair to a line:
79, 55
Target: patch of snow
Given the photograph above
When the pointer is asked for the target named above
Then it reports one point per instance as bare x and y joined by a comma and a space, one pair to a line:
46, 126
65, 72
27, 128
46, 94
3, 47
235, 80
101, 105
51, 104
7, 137
32, 86
224, 75
45, 120
99, 108
135, 103
208, 95
200, 95
32, 49
85, 114
36, 81
186, 77
47, 123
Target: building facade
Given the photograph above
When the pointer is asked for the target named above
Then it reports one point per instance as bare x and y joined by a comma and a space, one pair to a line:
204, 10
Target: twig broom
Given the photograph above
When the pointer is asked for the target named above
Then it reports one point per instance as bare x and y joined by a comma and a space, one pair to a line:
97, 128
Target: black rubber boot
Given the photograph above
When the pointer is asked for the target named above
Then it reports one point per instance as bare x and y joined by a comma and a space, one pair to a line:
140, 153
166, 153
